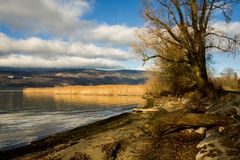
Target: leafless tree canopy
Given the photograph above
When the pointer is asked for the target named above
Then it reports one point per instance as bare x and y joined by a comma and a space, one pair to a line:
183, 27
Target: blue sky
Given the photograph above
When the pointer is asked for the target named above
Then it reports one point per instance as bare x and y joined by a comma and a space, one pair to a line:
116, 12
79, 33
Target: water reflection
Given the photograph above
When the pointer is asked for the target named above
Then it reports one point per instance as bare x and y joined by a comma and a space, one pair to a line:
86, 100
27, 117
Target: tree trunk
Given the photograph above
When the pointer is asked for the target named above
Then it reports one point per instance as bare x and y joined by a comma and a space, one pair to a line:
202, 81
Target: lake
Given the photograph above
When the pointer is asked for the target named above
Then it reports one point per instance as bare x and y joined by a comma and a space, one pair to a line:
26, 117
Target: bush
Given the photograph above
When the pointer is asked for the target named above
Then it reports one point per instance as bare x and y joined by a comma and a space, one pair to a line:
157, 85
170, 78
227, 83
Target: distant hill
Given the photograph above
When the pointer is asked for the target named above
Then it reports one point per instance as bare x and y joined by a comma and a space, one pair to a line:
39, 77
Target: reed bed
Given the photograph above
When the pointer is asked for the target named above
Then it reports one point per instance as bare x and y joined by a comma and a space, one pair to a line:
118, 90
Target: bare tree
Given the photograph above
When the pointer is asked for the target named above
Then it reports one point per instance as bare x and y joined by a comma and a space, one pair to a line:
228, 73
235, 77
183, 27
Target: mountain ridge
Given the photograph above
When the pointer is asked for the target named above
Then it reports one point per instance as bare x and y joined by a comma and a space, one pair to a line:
49, 77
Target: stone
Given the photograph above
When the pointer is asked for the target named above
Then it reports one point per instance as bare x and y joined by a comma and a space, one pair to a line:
220, 129
201, 130
221, 143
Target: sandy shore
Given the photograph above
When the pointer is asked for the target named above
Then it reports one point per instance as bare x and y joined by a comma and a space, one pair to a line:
70, 138
158, 135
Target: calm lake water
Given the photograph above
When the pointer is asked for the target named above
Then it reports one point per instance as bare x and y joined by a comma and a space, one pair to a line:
28, 117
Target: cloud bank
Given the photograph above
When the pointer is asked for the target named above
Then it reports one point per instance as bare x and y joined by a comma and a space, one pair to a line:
36, 52
74, 42
53, 48
62, 18
58, 62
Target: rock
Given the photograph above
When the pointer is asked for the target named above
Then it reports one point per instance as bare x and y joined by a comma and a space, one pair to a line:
170, 104
201, 130
220, 129
228, 106
223, 145
223, 142
189, 130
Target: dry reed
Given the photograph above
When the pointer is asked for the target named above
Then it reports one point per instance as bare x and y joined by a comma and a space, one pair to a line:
119, 90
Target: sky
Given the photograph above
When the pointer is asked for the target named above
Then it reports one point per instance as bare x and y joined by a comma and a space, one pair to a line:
80, 34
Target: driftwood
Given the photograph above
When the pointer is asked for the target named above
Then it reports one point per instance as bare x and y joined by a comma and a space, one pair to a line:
112, 154
112, 149
171, 122
145, 110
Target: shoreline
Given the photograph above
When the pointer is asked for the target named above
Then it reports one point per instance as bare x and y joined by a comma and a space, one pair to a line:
61, 138
169, 133
41, 138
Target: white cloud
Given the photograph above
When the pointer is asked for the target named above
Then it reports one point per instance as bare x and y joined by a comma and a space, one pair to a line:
231, 28
117, 34
62, 19
224, 29
54, 48
55, 16
35, 52
59, 62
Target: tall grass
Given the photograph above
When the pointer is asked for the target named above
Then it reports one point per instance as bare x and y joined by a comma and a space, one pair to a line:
156, 86
120, 90
227, 83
